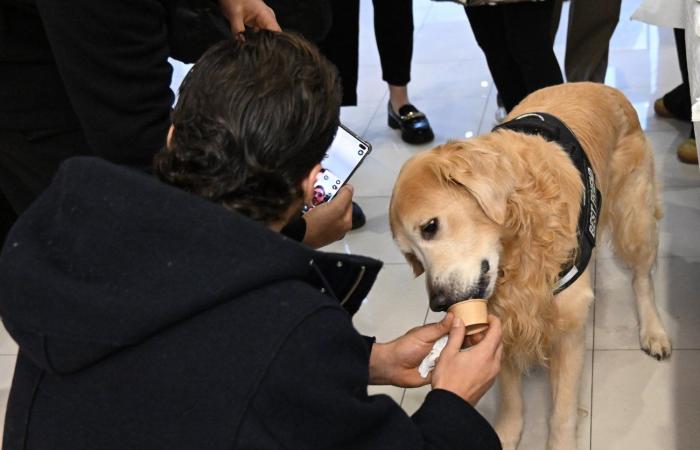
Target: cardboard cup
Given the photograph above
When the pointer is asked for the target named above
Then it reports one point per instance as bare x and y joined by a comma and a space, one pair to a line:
474, 315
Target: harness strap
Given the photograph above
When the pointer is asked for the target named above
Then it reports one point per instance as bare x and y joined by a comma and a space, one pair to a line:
554, 130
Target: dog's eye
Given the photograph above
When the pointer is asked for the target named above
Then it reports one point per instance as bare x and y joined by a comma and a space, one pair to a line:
429, 229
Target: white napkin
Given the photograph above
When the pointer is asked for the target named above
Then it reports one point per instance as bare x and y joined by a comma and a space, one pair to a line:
428, 362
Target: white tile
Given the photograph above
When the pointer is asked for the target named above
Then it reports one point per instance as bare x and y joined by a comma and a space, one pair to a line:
374, 239
642, 404
676, 285
450, 120
7, 369
370, 86
8, 346
396, 393
678, 228
396, 304
358, 118
445, 80
643, 68
643, 98
445, 41
538, 405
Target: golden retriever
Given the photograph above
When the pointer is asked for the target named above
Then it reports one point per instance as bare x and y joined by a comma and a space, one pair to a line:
496, 217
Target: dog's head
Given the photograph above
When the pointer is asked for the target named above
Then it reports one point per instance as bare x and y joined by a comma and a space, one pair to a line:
446, 216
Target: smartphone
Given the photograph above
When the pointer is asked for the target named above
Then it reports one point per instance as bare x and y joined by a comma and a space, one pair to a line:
344, 156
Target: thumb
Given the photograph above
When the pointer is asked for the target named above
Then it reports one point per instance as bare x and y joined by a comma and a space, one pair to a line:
456, 337
434, 331
344, 195
237, 25
267, 21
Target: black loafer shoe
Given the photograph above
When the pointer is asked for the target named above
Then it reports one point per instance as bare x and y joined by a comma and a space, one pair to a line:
414, 125
358, 217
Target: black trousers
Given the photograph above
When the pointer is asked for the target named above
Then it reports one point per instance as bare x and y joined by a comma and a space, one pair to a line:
516, 40
677, 101
393, 28
28, 162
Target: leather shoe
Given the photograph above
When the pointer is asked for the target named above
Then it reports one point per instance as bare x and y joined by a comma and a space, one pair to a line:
414, 125
358, 217
687, 152
660, 108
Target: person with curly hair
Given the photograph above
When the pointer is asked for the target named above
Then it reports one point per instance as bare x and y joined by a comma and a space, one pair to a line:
173, 314
94, 79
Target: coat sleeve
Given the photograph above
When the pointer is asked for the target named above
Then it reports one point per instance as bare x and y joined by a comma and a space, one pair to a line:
314, 396
112, 56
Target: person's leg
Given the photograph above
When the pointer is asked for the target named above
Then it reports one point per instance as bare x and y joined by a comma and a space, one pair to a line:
591, 25
556, 18
341, 45
529, 38
488, 26
393, 28
28, 162
677, 101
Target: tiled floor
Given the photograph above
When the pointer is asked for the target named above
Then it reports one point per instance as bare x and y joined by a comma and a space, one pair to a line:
628, 400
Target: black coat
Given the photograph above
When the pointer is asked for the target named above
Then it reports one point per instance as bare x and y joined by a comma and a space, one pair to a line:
148, 318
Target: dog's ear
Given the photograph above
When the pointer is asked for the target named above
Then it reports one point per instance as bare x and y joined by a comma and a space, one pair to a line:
482, 174
415, 264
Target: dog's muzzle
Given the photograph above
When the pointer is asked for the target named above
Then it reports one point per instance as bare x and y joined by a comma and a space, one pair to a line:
442, 296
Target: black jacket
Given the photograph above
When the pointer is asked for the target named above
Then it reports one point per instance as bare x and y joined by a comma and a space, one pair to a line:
148, 318
102, 66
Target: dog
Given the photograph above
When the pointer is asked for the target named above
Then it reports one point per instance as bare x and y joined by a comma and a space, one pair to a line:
498, 217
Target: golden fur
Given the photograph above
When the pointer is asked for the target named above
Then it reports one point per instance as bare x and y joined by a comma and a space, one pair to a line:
513, 200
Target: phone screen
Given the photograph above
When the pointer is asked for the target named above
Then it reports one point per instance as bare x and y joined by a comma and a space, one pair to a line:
342, 159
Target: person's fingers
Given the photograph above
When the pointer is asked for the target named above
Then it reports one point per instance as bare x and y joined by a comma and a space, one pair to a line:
434, 331
344, 196
456, 337
267, 21
237, 24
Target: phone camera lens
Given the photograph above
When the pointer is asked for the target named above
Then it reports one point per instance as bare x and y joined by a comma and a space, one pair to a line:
360, 152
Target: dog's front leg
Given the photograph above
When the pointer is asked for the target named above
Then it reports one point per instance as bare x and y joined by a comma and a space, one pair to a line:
509, 423
565, 376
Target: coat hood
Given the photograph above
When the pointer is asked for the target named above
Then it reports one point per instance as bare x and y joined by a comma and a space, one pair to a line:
108, 256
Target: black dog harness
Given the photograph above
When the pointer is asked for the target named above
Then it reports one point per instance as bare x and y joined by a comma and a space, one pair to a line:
554, 130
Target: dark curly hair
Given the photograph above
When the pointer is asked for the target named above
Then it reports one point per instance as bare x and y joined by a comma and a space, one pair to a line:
252, 119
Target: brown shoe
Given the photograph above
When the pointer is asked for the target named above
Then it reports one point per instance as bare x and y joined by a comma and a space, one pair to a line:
687, 152
660, 108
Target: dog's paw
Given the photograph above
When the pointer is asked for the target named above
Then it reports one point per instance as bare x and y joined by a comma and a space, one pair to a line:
509, 434
656, 345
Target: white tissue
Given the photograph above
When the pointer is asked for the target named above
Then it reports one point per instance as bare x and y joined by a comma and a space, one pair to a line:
428, 362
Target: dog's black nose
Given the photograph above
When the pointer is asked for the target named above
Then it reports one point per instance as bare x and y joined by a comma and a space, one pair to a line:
439, 301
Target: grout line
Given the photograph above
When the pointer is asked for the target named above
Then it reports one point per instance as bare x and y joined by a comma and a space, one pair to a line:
486, 107
590, 415
403, 397
371, 119
425, 318
686, 349
416, 30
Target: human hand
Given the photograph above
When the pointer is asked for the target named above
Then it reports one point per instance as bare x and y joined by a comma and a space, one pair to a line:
469, 373
397, 362
252, 13
328, 222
